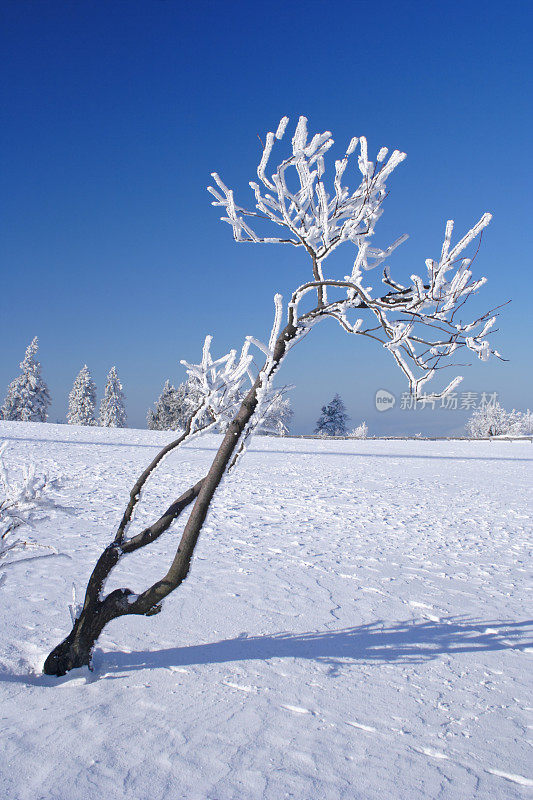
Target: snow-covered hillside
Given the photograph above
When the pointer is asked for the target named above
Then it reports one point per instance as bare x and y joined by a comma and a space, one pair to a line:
355, 625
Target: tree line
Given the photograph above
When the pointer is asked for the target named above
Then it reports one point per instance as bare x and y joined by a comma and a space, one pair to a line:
28, 400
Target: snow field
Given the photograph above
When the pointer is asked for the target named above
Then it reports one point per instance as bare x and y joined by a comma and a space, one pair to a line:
355, 625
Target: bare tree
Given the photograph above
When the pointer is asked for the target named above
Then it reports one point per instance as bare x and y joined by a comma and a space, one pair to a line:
417, 323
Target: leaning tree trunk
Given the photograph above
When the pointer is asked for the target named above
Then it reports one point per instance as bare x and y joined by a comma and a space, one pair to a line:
76, 649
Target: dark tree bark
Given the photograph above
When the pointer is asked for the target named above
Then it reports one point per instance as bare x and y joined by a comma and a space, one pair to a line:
76, 650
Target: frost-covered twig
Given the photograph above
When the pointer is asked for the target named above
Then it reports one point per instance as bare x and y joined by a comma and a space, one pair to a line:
416, 322
74, 607
22, 503
218, 383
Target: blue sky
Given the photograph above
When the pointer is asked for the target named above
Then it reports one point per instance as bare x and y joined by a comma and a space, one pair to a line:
116, 113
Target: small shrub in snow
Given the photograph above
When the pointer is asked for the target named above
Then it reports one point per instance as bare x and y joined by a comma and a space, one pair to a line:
361, 432
277, 416
491, 419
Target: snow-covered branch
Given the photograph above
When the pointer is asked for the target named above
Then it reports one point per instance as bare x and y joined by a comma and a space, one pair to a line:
309, 215
418, 322
218, 381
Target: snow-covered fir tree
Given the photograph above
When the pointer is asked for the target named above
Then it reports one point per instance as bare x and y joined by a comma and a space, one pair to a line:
113, 405
82, 400
333, 419
191, 400
174, 406
491, 419
163, 416
27, 396
278, 416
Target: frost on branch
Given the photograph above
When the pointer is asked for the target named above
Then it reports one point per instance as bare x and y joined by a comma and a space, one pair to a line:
218, 381
311, 217
416, 322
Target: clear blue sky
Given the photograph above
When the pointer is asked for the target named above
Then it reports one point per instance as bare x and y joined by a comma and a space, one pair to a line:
116, 113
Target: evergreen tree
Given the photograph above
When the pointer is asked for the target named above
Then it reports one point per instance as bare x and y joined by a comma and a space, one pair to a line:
82, 400
190, 397
174, 406
333, 419
27, 396
163, 416
113, 406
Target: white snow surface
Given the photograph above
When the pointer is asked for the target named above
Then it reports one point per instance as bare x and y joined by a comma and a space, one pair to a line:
356, 625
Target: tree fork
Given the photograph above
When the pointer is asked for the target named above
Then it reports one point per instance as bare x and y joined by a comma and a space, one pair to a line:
76, 650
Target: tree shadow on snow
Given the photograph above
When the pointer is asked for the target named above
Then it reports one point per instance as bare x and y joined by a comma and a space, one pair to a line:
280, 451
412, 456
409, 642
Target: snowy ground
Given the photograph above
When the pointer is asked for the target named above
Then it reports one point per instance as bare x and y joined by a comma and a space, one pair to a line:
355, 626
